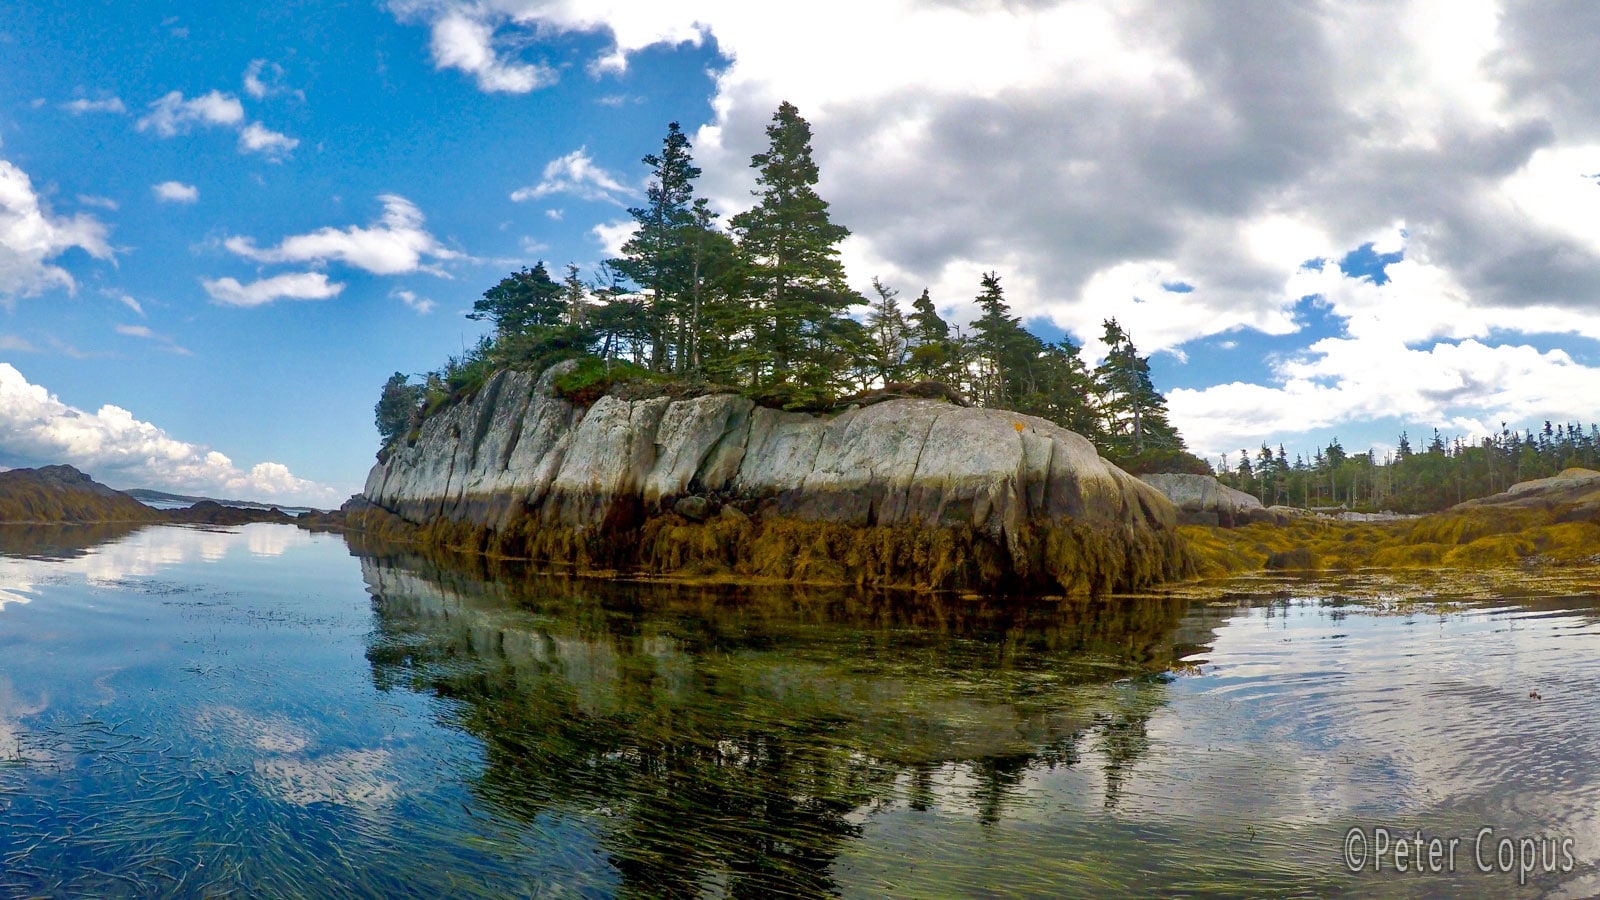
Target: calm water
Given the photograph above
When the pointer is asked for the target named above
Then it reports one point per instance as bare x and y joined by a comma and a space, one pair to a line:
191, 712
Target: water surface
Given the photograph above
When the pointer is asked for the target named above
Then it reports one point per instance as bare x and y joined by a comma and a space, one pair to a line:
193, 711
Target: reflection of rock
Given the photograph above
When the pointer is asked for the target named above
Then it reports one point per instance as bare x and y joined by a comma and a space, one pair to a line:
785, 712
351, 778
61, 541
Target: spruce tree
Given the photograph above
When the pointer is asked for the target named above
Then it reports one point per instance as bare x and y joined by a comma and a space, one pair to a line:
1133, 411
886, 326
522, 304
930, 336
791, 248
655, 257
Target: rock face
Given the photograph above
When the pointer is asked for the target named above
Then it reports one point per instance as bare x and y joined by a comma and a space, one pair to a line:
1577, 489
1203, 500
64, 494
909, 490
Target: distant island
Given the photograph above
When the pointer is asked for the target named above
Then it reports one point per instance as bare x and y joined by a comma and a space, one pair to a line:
62, 495
164, 500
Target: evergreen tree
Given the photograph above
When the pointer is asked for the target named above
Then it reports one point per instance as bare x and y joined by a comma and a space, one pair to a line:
525, 303
1009, 357
930, 336
655, 257
1134, 412
886, 326
396, 405
792, 250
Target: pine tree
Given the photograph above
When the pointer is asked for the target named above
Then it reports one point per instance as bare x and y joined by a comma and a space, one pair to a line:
792, 250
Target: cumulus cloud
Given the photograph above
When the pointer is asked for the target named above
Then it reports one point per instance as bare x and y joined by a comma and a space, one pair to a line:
397, 243
575, 174
173, 115
31, 237
463, 42
1411, 348
257, 138
175, 192
113, 446
290, 286
612, 235
1075, 140
105, 105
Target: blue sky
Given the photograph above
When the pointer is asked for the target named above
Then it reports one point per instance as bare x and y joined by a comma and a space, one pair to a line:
221, 229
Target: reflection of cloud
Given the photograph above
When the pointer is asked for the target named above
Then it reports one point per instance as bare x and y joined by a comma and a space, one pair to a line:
146, 552
270, 734
352, 778
12, 710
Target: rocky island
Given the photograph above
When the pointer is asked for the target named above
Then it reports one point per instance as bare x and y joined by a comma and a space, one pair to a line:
915, 492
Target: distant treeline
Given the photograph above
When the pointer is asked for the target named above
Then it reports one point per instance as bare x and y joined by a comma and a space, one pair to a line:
1444, 473
761, 306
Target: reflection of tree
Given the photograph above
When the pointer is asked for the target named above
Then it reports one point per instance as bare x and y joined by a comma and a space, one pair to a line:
725, 739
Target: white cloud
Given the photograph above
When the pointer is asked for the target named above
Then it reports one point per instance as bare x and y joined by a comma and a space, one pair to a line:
257, 138
172, 115
290, 286
111, 445
144, 332
612, 235
105, 105
575, 174
99, 202
394, 245
11, 343
1079, 138
253, 85
175, 192
422, 305
1412, 350
30, 237
461, 42
263, 79
130, 303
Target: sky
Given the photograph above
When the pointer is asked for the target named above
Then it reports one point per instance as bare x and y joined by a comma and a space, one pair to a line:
223, 226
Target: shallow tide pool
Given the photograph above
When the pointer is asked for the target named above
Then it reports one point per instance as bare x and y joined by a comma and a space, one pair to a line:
266, 712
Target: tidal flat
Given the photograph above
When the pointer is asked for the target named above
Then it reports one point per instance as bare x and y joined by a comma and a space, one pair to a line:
263, 711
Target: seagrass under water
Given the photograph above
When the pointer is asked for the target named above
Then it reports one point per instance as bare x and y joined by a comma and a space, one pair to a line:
256, 711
